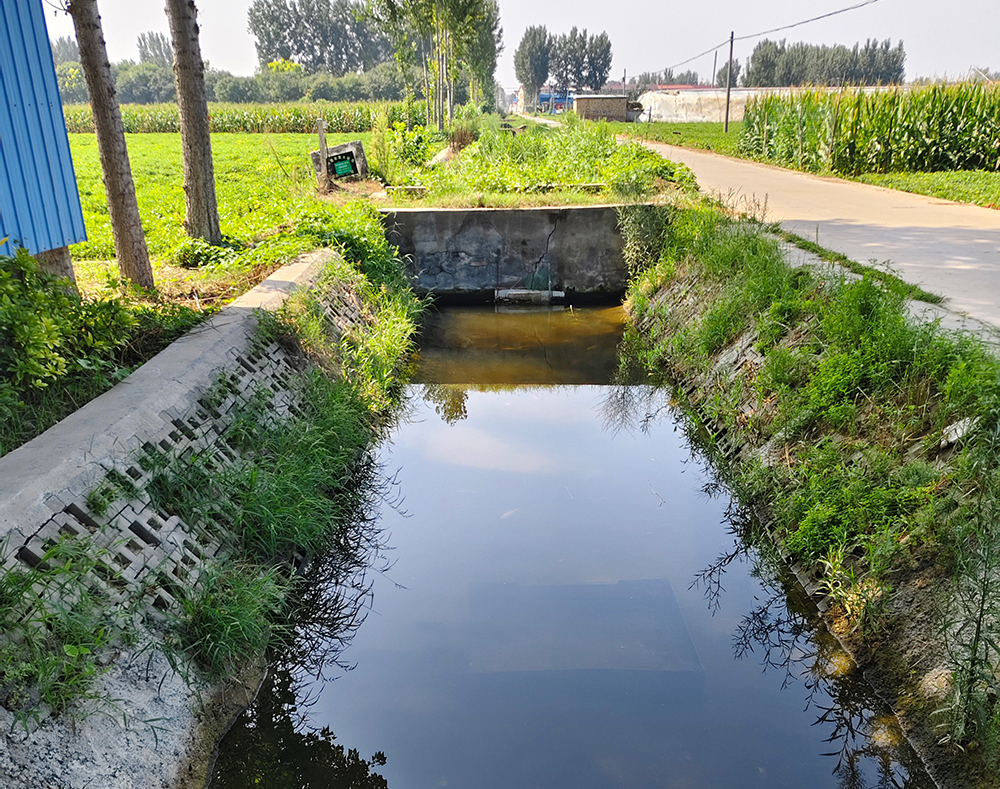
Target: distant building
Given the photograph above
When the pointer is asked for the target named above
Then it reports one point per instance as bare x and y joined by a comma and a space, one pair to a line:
39, 201
601, 106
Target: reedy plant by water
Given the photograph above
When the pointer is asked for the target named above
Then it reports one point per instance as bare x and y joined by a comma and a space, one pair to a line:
970, 614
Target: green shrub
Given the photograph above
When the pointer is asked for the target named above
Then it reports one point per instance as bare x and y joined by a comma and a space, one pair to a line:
55, 345
196, 252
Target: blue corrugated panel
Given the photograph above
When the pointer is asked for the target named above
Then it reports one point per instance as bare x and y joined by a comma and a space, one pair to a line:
39, 202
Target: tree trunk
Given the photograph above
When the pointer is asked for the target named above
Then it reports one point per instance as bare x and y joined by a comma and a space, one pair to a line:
439, 69
427, 85
58, 263
126, 226
202, 214
449, 54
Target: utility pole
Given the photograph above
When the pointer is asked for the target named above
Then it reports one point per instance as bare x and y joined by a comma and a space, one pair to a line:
729, 78
715, 62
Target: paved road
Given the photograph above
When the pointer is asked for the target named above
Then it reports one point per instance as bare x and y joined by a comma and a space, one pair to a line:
947, 248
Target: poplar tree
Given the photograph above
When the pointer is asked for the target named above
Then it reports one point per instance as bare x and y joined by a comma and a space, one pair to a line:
126, 225
201, 218
532, 60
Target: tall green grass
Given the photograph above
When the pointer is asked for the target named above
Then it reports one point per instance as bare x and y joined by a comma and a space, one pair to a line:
341, 118
938, 128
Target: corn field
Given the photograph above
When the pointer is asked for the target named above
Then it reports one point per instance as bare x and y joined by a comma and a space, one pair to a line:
252, 118
938, 128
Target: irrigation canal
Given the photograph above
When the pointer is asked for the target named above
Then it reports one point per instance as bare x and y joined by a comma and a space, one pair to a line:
564, 600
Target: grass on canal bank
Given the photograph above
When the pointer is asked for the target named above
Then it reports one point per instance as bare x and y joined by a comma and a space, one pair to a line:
977, 187
301, 483
875, 446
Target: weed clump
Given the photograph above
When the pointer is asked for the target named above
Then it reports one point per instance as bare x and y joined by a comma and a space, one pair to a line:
57, 630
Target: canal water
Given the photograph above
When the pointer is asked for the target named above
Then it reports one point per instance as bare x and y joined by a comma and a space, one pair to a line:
560, 596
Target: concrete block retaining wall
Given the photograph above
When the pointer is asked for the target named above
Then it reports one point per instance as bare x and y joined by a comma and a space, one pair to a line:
464, 255
168, 406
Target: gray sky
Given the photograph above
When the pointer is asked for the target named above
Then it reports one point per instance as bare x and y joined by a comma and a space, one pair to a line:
646, 35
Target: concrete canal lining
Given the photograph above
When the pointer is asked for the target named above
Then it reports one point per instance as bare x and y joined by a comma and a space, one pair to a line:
465, 255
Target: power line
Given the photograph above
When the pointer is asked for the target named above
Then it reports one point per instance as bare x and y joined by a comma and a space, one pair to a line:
700, 54
806, 21
775, 30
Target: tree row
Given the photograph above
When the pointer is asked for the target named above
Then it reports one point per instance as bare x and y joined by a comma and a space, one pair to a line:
573, 60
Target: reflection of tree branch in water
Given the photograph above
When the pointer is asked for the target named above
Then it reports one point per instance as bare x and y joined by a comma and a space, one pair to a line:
783, 627
785, 632
628, 408
334, 596
865, 736
271, 747
449, 401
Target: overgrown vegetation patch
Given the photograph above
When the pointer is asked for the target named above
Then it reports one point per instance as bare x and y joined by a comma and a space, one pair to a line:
564, 165
869, 439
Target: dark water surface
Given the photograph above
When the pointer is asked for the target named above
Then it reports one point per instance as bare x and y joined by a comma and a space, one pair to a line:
538, 626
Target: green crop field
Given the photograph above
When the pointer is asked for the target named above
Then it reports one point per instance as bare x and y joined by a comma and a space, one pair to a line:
933, 129
298, 118
979, 187
261, 180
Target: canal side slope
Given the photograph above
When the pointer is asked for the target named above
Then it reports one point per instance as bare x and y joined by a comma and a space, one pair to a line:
861, 436
108, 565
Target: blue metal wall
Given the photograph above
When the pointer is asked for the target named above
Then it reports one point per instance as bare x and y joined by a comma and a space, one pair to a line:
39, 201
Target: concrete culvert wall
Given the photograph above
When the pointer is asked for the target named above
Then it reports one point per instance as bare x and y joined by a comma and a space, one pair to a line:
83, 483
465, 255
